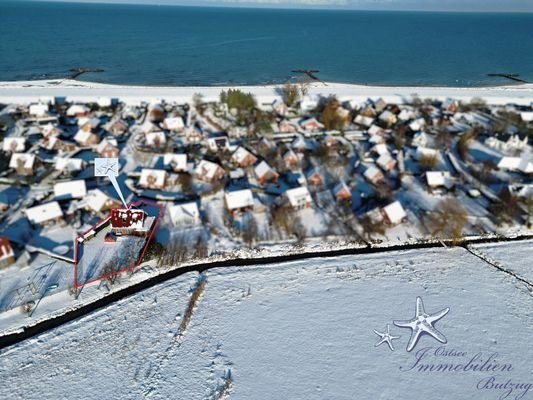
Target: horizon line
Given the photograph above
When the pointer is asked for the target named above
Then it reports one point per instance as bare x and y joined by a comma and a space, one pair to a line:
275, 6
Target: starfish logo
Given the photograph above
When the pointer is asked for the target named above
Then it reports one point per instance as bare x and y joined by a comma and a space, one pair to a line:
422, 324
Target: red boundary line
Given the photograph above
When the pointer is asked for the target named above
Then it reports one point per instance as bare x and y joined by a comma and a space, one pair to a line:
139, 260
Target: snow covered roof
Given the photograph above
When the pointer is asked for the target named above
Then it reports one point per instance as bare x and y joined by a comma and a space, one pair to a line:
375, 130
241, 154
380, 149
262, 169
184, 214
521, 190
364, 121
27, 160
372, 172
155, 138
38, 110
207, 169
82, 136
68, 164
417, 124
77, 109
16, 143
298, 196
239, 199
438, 178
394, 212
426, 152
44, 213
152, 177
70, 190
509, 163
106, 142
384, 160
312, 123
177, 161
96, 199
174, 123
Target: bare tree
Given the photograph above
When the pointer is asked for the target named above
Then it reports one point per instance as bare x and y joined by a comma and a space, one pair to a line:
249, 231
447, 219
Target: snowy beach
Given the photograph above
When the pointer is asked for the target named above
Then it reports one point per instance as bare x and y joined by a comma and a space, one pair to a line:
27, 91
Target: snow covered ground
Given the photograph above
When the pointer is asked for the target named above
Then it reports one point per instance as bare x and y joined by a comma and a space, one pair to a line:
22, 91
297, 330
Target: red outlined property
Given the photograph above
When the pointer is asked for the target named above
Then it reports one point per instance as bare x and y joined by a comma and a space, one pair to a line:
115, 244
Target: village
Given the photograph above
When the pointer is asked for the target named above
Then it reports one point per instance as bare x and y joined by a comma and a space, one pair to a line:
238, 175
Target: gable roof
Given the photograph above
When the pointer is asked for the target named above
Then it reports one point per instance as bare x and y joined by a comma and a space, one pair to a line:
239, 199
43, 213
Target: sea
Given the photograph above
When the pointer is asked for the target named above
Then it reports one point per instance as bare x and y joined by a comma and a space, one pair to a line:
175, 46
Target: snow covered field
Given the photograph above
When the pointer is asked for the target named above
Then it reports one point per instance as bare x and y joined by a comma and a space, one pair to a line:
298, 330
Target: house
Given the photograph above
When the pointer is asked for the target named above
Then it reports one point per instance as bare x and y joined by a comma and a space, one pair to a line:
450, 105
183, 215
23, 163
49, 130
217, 143
437, 179
506, 142
78, 110
105, 102
117, 127
314, 177
52, 143
425, 152
128, 221
174, 124
265, 145
380, 149
97, 201
363, 121
280, 108
38, 110
156, 112
379, 104
311, 125
45, 214
243, 157
298, 198
524, 191
70, 190
420, 139
68, 165
290, 159
509, 163
388, 117
14, 144
108, 148
342, 192
417, 124
376, 130
373, 175
89, 124
177, 162
131, 112
86, 138
288, 126
394, 213
7, 255
386, 162
153, 179
239, 201
194, 135
406, 115
156, 139
265, 174
209, 171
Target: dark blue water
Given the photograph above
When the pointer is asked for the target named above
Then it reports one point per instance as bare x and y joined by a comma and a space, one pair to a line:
164, 45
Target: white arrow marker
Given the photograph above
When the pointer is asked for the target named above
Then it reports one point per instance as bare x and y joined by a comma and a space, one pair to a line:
109, 167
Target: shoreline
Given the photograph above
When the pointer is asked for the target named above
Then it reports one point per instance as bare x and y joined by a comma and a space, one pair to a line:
74, 90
